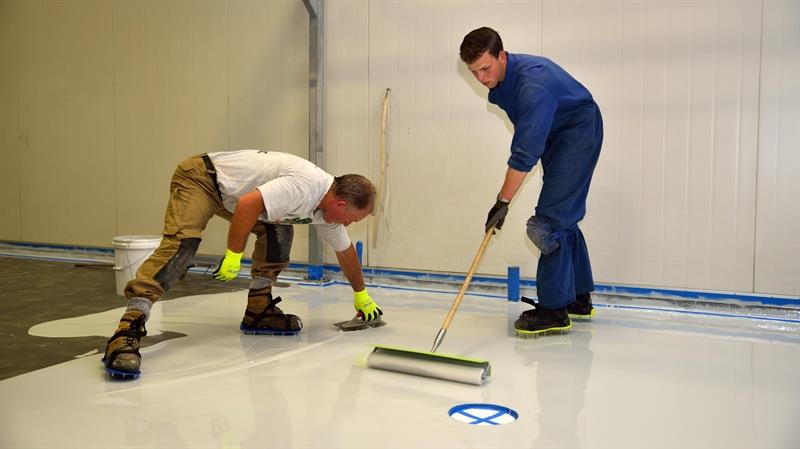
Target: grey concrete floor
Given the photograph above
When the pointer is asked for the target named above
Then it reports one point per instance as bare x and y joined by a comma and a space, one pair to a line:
33, 291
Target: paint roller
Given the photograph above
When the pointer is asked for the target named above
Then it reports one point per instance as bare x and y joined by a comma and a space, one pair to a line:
431, 364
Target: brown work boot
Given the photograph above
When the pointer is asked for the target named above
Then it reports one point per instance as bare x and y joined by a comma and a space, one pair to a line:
271, 320
122, 358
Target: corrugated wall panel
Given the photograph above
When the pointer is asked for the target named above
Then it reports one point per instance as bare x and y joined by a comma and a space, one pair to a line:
778, 225
673, 201
66, 122
444, 164
348, 109
681, 86
105, 98
171, 101
10, 138
267, 92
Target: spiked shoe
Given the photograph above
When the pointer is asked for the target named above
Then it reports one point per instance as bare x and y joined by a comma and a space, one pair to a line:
541, 321
271, 321
122, 358
581, 308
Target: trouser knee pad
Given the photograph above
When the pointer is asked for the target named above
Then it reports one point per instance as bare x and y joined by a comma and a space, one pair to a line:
176, 267
541, 234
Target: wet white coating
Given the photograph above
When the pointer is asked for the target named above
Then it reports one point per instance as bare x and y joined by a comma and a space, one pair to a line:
627, 379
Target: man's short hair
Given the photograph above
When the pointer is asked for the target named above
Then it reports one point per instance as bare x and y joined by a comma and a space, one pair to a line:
479, 41
356, 190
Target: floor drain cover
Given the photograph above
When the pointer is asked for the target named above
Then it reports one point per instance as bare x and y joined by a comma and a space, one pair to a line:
483, 414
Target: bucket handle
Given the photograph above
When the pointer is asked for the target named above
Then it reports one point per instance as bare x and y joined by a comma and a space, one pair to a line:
116, 268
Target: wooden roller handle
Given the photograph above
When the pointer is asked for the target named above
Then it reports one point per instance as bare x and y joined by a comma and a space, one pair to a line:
467, 280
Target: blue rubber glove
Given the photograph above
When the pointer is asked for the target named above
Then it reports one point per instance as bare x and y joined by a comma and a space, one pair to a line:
229, 267
367, 308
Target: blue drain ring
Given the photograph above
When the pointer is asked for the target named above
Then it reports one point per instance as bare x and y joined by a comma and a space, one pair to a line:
499, 411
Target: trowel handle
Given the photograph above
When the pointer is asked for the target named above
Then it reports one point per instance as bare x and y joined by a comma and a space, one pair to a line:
467, 280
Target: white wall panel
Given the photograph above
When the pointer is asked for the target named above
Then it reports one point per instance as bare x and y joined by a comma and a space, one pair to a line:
106, 98
696, 187
172, 86
194, 77
66, 122
267, 92
778, 225
442, 173
673, 200
347, 92
10, 139
672, 203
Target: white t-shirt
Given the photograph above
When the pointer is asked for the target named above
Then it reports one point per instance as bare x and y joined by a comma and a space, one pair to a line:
291, 188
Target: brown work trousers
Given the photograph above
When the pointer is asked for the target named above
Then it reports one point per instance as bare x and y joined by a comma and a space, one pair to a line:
194, 199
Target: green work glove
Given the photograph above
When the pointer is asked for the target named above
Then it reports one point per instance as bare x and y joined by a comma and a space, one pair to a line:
229, 267
365, 306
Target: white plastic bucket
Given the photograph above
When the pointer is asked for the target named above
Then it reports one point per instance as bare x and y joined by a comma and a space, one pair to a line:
130, 252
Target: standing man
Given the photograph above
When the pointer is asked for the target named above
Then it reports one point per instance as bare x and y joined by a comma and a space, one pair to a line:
557, 122
260, 192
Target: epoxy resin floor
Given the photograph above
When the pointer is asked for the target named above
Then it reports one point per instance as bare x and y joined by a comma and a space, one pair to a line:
626, 379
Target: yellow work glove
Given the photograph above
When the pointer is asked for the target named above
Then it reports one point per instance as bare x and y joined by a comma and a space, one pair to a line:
229, 267
365, 306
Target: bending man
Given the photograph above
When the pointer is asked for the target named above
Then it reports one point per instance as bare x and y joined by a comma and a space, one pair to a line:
259, 192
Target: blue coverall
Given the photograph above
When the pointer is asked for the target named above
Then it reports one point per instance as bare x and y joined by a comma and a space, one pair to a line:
556, 121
